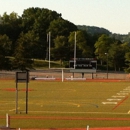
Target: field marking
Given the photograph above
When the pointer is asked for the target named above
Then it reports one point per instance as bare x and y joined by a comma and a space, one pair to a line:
45, 78
69, 118
126, 89
75, 78
114, 99
109, 102
120, 103
122, 93
81, 104
78, 112
118, 96
14, 109
129, 112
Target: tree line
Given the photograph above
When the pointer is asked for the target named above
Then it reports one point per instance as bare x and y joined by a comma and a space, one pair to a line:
25, 38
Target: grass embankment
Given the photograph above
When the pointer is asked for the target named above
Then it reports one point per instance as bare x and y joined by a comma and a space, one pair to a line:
42, 64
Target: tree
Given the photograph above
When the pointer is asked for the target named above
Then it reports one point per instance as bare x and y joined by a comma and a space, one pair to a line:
116, 55
127, 59
38, 20
59, 52
24, 51
5, 45
102, 46
11, 26
5, 48
61, 27
82, 50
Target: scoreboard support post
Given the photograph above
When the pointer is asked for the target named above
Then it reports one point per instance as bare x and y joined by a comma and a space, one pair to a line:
82, 75
92, 75
22, 77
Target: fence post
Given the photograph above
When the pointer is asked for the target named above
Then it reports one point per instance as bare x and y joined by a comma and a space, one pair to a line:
87, 127
7, 120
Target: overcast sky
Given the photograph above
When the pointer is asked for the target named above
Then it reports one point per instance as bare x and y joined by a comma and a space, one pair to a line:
113, 15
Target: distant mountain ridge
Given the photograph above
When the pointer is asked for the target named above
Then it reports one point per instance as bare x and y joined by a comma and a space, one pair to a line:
97, 30
93, 29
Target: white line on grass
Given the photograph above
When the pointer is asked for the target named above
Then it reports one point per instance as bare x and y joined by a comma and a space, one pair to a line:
14, 109
114, 99
76, 112
122, 93
109, 102
118, 96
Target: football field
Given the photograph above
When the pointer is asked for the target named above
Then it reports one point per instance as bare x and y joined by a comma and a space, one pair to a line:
69, 104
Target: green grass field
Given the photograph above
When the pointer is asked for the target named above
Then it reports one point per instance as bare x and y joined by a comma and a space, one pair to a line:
66, 104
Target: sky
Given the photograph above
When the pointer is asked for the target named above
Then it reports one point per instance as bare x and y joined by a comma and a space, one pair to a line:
113, 15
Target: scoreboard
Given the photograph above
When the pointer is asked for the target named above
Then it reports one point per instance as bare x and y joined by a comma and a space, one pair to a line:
83, 63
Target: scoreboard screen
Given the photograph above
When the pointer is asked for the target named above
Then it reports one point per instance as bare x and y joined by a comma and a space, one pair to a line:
83, 63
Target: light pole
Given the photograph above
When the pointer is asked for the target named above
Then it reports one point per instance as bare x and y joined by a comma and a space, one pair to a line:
107, 64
